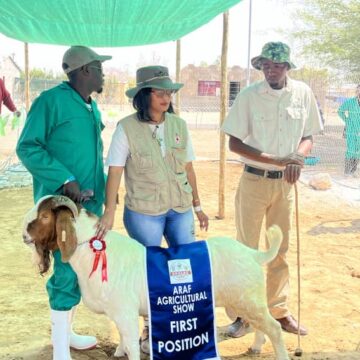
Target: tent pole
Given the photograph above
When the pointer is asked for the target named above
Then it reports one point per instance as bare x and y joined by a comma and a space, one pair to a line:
178, 61
248, 74
27, 81
223, 108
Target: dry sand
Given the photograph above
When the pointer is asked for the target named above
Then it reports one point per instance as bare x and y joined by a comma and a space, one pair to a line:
330, 267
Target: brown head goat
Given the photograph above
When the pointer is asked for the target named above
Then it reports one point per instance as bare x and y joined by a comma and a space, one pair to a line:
239, 285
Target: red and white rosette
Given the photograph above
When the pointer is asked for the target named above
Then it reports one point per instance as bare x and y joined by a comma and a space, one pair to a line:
98, 246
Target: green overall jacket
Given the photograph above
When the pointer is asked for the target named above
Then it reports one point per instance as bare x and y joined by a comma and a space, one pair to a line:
62, 138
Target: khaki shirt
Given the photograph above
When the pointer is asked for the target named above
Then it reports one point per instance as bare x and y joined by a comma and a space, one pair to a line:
271, 121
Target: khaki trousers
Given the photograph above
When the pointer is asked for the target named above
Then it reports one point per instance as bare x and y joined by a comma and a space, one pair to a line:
273, 199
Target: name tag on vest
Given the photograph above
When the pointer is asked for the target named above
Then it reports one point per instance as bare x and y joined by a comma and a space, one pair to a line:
181, 306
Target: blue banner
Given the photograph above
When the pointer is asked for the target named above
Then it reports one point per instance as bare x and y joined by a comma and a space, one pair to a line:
181, 308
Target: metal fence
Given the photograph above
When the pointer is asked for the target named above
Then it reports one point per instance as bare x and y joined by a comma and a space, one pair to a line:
329, 147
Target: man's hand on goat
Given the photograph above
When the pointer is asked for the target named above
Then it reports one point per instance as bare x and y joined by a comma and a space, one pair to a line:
105, 223
72, 191
203, 220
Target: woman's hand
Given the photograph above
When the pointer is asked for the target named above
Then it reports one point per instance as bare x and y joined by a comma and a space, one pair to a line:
105, 224
203, 220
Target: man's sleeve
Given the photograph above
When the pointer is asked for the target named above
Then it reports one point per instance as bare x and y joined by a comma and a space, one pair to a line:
236, 122
7, 100
32, 147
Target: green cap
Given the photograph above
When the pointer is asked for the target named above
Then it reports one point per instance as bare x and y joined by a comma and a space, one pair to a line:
156, 77
277, 52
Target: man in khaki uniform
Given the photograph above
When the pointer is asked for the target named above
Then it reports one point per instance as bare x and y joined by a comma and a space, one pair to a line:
271, 125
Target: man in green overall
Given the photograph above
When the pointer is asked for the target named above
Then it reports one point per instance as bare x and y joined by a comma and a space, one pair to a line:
61, 147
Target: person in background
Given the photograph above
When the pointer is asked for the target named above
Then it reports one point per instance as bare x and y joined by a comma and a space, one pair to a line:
349, 112
271, 126
5, 99
153, 148
61, 147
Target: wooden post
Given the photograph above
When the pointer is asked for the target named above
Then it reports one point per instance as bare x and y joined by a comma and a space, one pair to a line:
27, 78
178, 61
223, 109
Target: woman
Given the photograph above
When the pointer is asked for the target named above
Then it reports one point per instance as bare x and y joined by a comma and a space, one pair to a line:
349, 112
153, 148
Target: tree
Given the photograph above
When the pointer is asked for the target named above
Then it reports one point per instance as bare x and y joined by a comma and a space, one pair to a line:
317, 79
330, 31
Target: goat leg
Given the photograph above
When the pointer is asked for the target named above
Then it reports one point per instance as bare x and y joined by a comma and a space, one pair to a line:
128, 327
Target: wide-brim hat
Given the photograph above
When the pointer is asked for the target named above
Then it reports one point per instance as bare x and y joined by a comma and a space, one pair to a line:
156, 77
277, 52
78, 56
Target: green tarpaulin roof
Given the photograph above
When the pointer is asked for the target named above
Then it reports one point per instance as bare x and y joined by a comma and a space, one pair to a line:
106, 23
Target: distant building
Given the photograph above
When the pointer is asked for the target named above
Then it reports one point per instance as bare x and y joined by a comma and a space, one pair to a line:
202, 84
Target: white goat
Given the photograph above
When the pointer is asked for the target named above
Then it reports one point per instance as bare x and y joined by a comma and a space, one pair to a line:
237, 273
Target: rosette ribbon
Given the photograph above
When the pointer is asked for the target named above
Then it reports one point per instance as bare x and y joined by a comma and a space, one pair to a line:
98, 246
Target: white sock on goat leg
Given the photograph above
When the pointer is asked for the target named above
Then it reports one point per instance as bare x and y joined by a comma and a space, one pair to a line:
60, 334
80, 342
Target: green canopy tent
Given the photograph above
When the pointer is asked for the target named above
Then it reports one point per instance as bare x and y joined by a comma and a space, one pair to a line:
106, 23
114, 23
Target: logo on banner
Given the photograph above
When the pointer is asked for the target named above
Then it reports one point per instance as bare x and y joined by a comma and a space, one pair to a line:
180, 271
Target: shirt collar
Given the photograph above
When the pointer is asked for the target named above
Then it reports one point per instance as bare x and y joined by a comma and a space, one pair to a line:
67, 86
265, 87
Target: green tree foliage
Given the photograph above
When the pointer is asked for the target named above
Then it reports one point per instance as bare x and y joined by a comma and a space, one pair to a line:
317, 79
331, 32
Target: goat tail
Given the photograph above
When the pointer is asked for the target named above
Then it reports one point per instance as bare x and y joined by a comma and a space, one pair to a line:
275, 237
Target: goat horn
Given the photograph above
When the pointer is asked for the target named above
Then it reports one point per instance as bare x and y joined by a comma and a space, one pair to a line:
60, 200
63, 236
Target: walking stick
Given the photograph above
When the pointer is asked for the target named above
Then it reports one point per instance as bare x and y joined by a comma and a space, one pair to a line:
298, 350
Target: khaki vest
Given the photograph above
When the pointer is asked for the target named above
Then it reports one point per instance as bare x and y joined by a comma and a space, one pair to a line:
155, 184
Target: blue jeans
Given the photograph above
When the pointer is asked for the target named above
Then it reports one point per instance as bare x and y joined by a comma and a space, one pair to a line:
177, 228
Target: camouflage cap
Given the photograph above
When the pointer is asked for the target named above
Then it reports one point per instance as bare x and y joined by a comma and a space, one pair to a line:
277, 52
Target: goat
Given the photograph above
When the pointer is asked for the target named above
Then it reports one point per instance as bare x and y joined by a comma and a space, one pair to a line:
238, 278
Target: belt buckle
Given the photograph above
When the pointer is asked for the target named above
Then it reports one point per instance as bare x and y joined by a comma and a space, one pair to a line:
273, 174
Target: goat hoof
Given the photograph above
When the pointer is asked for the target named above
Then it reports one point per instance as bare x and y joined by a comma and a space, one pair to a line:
119, 352
252, 352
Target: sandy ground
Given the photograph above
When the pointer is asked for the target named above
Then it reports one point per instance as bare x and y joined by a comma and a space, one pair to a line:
330, 275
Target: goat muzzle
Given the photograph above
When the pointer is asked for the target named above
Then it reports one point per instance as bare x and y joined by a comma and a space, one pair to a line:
27, 240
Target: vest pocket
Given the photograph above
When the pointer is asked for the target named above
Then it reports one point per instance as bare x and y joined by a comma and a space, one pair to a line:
143, 162
144, 198
185, 190
178, 159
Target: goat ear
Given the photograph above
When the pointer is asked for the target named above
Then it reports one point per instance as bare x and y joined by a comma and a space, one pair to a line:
65, 234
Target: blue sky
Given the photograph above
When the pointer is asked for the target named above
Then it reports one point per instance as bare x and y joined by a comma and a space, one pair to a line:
204, 44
